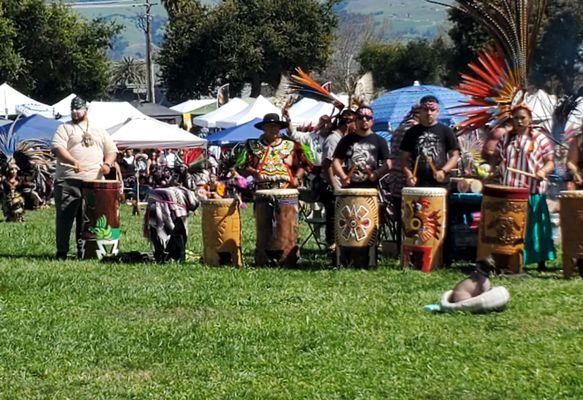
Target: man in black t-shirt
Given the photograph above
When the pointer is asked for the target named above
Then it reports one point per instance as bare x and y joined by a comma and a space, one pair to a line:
362, 157
429, 150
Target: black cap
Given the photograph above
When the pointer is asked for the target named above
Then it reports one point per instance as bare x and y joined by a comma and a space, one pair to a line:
78, 103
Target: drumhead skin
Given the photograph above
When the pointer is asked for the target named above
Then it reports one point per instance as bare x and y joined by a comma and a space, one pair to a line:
221, 202
276, 193
423, 191
506, 192
356, 192
572, 193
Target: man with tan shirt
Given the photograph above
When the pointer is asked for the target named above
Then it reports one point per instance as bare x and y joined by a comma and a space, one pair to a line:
84, 153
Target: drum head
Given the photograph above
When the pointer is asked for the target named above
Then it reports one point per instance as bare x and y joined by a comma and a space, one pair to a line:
571, 194
424, 191
356, 192
276, 193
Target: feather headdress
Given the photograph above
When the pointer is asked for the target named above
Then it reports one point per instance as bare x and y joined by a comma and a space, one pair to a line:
499, 78
303, 84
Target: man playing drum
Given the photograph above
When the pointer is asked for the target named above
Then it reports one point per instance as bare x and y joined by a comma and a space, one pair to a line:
526, 158
430, 147
83, 152
362, 157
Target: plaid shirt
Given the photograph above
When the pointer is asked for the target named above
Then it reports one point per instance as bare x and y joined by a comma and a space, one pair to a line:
527, 152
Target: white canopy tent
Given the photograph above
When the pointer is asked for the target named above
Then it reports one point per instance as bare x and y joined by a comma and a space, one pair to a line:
313, 114
149, 133
63, 107
107, 114
191, 105
13, 102
301, 106
209, 120
257, 109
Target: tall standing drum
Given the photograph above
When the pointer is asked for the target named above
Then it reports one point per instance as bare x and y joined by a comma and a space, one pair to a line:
356, 227
503, 226
100, 228
221, 232
423, 231
276, 216
572, 231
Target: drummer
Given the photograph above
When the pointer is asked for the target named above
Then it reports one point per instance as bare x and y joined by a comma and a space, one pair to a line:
271, 159
361, 158
529, 152
575, 162
430, 149
83, 152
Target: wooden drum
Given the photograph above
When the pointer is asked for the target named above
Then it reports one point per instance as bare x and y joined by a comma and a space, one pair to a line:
423, 231
572, 231
221, 232
503, 226
276, 216
100, 229
356, 227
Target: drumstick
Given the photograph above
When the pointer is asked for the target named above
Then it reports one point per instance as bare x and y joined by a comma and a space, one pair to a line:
519, 171
416, 166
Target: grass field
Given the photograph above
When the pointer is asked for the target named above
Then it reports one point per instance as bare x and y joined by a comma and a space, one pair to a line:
85, 330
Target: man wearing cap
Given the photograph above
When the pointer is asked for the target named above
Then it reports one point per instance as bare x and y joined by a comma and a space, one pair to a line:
270, 159
84, 152
362, 158
429, 150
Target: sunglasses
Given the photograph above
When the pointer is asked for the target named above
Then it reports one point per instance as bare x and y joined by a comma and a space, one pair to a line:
365, 117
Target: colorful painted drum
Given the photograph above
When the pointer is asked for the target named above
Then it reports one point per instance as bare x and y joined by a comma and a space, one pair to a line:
572, 231
503, 226
100, 229
221, 232
356, 227
276, 216
423, 231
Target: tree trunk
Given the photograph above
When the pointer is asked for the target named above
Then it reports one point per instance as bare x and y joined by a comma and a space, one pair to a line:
255, 86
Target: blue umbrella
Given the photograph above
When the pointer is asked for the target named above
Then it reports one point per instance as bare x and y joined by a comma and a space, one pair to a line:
35, 127
392, 107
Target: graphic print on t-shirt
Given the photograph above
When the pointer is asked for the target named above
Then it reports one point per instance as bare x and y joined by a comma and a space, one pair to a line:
363, 160
429, 146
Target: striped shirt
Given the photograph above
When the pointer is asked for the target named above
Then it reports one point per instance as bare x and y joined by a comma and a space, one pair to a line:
519, 152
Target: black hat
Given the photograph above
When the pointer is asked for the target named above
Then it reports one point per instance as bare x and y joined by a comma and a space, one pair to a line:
271, 118
77, 103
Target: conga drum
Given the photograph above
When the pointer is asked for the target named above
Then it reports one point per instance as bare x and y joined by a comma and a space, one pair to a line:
221, 232
356, 227
572, 231
423, 231
276, 221
503, 226
100, 229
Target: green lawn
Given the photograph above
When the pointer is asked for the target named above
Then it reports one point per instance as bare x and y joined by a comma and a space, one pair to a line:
85, 330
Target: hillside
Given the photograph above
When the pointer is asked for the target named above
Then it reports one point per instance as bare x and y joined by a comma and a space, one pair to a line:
405, 19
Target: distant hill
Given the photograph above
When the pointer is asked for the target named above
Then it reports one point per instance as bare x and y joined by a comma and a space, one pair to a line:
405, 19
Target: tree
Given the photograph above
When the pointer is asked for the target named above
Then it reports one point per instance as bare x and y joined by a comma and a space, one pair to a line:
353, 32
242, 41
61, 52
395, 64
127, 72
11, 63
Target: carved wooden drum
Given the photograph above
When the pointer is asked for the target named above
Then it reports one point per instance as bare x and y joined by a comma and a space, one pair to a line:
276, 220
503, 226
423, 230
356, 227
100, 228
572, 230
221, 232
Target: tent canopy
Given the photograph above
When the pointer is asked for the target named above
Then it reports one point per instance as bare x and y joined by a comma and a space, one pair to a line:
158, 112
107, 114
257, 109
210, 120
236, 134
192, 105
148, 133
11, 100
34, 127
63, 107
312, 114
